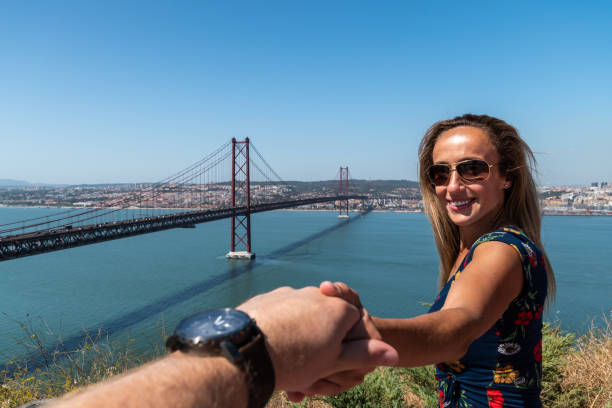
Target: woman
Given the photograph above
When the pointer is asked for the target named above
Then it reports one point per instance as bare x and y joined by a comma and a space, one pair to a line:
484, 330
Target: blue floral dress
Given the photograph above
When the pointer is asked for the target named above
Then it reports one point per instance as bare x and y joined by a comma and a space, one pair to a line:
503, 367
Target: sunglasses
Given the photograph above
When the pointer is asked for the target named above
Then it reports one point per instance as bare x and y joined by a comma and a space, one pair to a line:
470, 171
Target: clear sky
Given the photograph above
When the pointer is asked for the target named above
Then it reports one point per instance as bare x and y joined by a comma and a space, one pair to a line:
129, 91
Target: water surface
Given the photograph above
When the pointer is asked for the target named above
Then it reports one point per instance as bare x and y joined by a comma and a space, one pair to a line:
129, 286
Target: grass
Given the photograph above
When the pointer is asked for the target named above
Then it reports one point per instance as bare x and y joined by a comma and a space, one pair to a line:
577, 372
384, 387
61, 372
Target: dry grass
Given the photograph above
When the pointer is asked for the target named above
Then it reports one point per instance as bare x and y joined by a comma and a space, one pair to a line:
62, 372
590, 367
413, 401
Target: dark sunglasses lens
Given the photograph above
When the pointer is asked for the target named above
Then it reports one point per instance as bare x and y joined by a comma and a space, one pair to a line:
439, 174
473, 170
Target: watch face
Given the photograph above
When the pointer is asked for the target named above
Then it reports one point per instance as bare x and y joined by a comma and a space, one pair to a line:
212, 325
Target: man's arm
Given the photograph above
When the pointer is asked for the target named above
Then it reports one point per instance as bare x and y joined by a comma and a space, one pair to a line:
177, 380
304, 333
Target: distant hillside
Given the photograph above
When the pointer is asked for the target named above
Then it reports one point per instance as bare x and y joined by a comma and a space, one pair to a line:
403, 187
370, 186
13, 183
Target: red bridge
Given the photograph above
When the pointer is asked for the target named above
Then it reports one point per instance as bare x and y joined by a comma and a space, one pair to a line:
192, 196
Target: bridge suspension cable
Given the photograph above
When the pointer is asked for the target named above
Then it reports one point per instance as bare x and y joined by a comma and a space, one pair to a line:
135, 199
278, 178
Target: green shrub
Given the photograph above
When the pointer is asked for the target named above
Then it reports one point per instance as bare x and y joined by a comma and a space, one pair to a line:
380, 388
391, 387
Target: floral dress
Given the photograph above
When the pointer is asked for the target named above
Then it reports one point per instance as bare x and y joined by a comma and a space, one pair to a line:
503, 367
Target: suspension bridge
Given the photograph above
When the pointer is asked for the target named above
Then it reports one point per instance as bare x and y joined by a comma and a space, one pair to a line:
216, 187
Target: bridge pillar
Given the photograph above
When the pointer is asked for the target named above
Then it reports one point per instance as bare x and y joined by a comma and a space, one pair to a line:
241, 196
344, 190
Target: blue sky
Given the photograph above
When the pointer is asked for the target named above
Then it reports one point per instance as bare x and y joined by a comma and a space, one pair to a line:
116, 91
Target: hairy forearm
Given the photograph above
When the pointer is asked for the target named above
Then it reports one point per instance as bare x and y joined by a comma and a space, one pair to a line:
431, 338
177, 380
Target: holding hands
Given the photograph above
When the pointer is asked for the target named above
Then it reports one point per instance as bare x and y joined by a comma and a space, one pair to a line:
320, 341
363, 329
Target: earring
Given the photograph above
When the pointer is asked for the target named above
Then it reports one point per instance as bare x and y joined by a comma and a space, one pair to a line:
506, 185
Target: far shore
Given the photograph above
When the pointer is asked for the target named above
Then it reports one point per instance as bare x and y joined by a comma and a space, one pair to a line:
546, 212
195, 209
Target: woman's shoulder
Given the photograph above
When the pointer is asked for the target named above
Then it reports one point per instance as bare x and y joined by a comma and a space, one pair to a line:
513, 236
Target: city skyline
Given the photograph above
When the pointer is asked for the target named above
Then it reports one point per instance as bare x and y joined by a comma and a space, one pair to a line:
595, 199
12, 183
119, 92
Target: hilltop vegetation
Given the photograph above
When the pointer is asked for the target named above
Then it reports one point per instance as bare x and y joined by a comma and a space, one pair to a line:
410, 189
577, 373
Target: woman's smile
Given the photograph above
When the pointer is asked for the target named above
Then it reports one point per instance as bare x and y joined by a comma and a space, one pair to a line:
460, 205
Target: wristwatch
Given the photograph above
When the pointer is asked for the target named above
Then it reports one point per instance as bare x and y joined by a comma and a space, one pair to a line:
234, 335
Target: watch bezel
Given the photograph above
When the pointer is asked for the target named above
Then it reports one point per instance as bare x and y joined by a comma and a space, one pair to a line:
181, 339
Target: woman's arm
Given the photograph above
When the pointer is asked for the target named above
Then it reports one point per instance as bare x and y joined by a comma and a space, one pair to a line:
477, 298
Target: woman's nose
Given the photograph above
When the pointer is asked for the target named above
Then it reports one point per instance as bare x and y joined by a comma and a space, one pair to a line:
454, 181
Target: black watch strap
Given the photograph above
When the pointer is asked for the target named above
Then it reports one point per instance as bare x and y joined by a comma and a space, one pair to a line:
259, 371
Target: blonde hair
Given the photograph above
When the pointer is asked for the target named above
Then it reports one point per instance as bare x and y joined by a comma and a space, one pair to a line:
521, 207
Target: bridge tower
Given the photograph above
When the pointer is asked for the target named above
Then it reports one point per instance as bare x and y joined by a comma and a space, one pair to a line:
241, 191
343, 189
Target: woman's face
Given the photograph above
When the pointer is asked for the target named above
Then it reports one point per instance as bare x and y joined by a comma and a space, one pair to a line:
470, 205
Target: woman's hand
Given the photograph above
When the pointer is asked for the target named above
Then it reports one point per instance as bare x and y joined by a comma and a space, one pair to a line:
365, 328
342, 290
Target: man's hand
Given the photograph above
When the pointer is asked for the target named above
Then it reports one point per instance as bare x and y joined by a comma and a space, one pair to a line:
363, 329
306, 335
